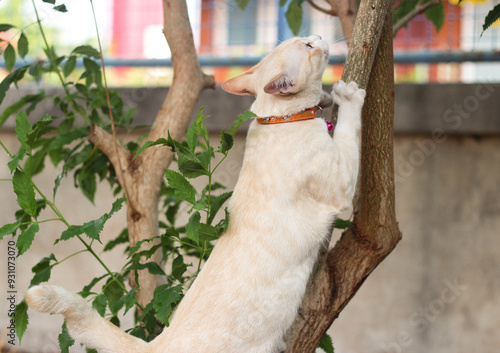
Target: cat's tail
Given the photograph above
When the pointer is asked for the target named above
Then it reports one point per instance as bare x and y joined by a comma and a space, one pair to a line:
84, 324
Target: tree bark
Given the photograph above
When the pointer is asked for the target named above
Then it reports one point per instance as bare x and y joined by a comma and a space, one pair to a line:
141, 178
341, 270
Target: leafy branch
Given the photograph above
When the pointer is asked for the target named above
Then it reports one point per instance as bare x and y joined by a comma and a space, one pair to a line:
407, 10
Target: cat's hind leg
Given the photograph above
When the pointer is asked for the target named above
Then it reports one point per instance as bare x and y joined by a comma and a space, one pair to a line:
84, 324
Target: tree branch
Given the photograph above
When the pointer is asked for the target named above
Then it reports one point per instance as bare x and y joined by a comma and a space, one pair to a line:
117, 155
146, 173
421, 7
321, 9
346, 11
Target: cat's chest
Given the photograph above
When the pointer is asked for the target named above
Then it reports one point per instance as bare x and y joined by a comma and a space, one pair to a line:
286, 146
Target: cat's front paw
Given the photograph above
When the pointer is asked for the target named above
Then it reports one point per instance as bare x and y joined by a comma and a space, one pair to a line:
348, 93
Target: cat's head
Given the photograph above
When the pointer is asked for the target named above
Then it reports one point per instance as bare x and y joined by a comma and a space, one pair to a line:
292, 70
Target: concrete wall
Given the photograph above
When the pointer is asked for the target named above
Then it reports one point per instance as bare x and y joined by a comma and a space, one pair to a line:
437, 292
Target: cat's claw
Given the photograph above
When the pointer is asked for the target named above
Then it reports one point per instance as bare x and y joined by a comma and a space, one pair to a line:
348, 92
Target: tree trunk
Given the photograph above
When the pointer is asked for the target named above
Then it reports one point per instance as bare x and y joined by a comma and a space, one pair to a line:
374, 233
141, 178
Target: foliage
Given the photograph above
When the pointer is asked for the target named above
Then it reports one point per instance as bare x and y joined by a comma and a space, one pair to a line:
434, 13
326, 344
491, 17
293, 13
62, 139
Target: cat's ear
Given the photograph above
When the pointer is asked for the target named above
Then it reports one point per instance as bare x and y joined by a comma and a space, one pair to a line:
283, 84
287, 82
241, 85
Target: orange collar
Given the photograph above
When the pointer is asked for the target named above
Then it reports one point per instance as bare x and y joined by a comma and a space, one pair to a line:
303, 115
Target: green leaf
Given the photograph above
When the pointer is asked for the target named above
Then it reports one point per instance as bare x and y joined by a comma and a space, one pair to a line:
207, 232
342, 223
242, 4
25, 191
114, 293
100, 303
226, 142
160, 141
191, 137
35, 70
87, 50
326, 344
129, 300
9, 56
32, 99
61, 8
8, 229
42, 270
294, 16
93, 71
21, 319
283, 2
69, 233
35, 163
22, 45
193, 226
121, 239
152, 267
403, 8
199, 127
191, 167
181, 186
38, 129
243, 117
4, 27
26, 238
178, 267
216, 203
93, 228
164, 299
436, 15
69, 66
13, 77
23, 129
65, 340
133, 249
85, 292
491, 18
61, 140
14, 163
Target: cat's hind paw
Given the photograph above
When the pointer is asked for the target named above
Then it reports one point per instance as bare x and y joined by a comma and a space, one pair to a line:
48, 299
348, 92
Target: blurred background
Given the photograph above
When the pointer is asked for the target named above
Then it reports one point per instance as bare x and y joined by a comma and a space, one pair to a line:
438, 291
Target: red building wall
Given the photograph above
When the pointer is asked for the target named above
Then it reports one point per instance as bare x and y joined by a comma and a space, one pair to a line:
130, 20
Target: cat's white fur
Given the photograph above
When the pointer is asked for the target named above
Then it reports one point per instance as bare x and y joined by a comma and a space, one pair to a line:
294, 180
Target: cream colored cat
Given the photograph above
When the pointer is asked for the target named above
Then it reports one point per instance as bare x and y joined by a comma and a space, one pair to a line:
295, 179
